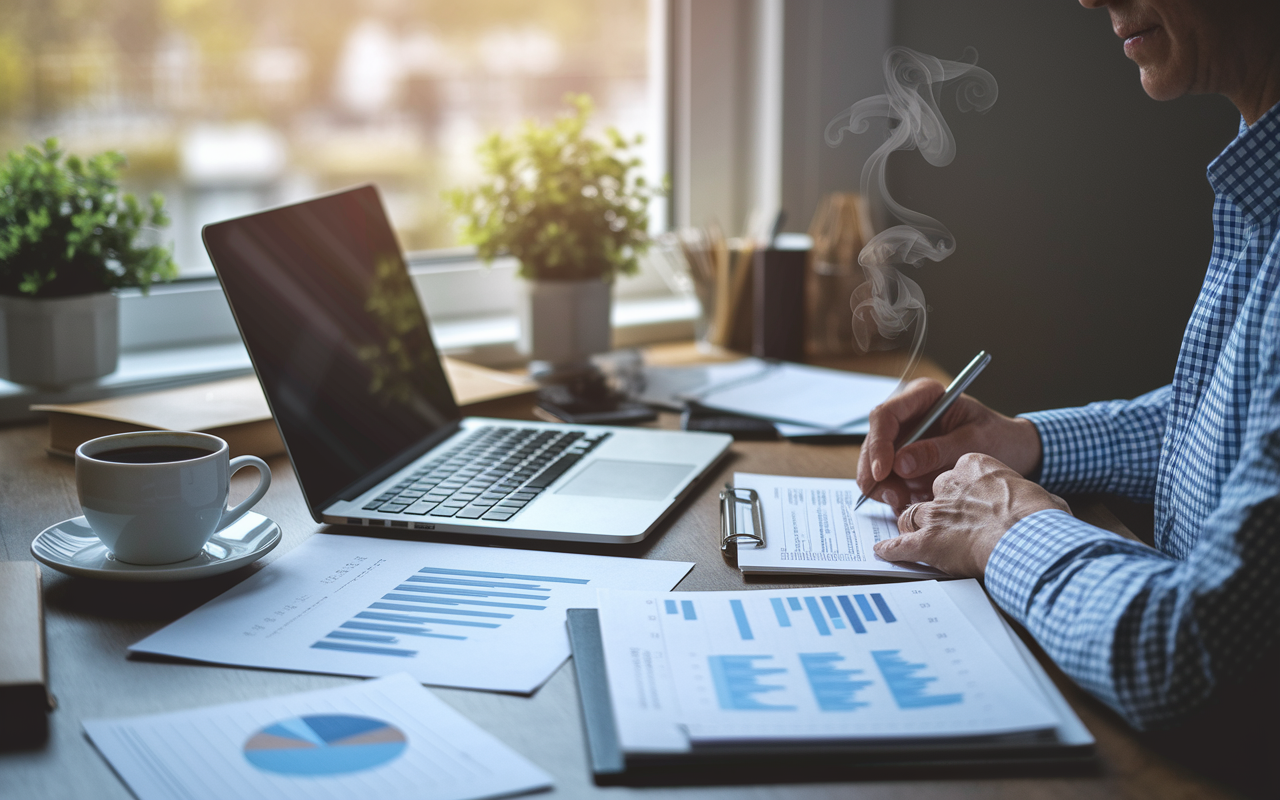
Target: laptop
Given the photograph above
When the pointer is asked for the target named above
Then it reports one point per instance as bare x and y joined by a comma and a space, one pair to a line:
341, 345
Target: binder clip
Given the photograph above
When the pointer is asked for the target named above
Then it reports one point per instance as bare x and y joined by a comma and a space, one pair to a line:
740, 518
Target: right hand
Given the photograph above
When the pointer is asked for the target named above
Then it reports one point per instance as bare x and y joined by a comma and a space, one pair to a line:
906, 476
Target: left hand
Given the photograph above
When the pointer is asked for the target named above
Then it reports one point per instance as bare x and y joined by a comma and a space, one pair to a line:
973, 505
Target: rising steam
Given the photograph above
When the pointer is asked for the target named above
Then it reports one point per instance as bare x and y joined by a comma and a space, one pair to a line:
890, 303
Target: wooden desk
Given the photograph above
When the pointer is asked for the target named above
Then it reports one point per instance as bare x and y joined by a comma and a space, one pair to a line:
89, 624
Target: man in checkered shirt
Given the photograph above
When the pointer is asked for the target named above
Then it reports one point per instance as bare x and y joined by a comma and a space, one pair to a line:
1170, 634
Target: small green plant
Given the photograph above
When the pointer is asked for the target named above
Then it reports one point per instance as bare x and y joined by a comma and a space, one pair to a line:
66, 228
567, 206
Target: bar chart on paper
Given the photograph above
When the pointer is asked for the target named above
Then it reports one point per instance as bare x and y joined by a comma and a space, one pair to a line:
885, 661
450, 615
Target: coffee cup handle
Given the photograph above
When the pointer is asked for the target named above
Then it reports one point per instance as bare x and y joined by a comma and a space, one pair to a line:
230, 515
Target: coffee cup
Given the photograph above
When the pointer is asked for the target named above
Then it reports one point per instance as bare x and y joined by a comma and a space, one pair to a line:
156, 497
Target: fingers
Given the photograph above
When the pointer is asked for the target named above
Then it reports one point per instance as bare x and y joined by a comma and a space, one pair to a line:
907, 522
887, 421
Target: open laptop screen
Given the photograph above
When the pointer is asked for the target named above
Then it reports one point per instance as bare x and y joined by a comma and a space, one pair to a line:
337, 335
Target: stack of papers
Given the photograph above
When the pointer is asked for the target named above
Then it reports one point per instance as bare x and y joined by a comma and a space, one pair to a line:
896, 663
389, 738
801, 400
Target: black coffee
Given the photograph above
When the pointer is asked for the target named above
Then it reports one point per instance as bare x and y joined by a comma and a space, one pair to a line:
153, 454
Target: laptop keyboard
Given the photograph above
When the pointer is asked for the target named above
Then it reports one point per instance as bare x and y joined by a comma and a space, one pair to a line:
491, 474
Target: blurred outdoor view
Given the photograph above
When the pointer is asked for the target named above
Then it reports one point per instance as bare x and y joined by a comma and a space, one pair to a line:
228, 106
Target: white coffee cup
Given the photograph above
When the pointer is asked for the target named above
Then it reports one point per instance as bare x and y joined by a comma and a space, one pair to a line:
156, 497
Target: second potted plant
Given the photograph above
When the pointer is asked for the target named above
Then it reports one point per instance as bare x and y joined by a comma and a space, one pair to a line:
574, 211
69, 237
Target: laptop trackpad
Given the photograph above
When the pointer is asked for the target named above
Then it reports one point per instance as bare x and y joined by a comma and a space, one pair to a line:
632, 480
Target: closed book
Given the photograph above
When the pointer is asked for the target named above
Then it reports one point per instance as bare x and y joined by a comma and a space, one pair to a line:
234, 410
24, 674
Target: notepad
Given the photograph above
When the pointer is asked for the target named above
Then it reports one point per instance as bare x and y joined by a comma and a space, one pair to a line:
810, 526
389, 738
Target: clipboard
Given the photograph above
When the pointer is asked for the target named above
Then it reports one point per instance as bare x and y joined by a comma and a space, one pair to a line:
1072, 753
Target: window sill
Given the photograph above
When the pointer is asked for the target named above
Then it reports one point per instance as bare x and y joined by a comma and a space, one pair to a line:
490, 341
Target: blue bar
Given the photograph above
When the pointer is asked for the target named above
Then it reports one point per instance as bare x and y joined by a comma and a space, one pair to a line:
854, 622
490, 584
465, 622
780, 611
740, 614
907, 687
474, 574
818, 620
794, 602
376, 626
737, 681
832, 612
833, 688
461, 612
364, 637
866, 607
884, 608
404, 587
359, 648
449, 601
687, 607
671, 607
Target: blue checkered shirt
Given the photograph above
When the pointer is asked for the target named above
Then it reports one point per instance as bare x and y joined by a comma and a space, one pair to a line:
1158, 633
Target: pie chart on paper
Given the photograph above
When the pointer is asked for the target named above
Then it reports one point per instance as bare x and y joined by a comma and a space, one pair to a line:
324, 744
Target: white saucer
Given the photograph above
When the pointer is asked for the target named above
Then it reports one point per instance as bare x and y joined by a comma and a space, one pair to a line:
72, 547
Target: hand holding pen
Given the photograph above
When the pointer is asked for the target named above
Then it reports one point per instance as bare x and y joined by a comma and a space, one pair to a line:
898, 464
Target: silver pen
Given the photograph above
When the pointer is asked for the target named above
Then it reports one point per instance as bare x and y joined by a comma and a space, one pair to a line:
953, 392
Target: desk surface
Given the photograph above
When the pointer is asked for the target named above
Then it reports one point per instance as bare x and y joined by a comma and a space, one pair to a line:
89, 624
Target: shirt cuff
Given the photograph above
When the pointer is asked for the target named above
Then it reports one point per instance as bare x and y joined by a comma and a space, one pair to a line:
1076, 449
1035, 546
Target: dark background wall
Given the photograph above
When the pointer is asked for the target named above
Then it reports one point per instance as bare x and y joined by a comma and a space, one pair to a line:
1080, 206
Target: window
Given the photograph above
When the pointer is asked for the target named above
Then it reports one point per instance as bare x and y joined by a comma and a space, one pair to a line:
229, 106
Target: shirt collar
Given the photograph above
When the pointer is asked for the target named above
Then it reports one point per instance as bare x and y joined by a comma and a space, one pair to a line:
1248, 171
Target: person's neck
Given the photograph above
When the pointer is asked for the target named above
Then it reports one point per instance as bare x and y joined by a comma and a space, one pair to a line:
1260, 91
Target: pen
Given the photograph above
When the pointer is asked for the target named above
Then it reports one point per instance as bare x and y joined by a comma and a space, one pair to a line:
953, 391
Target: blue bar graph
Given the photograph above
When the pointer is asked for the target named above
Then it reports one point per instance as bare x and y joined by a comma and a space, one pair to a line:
740, 615
443, 593
884, 607
687, 607
780, 611
854, 622
866, 607
671, 606
906, 686
737, 682
834, 689
473, 574
819, 621
830, 605
794, 602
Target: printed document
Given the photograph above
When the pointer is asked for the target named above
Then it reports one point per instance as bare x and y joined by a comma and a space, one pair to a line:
810, 526
390, 739
449, 615
893, 662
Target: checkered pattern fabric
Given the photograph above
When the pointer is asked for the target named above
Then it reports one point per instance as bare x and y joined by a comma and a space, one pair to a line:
1155, 632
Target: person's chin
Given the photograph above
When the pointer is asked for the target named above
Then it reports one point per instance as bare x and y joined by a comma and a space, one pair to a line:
1158, 84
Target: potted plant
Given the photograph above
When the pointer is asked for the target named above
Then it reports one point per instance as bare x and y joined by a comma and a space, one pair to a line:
68, 238
575, 213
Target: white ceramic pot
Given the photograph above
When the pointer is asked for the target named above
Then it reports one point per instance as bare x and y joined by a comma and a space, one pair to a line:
59, 341
564, 323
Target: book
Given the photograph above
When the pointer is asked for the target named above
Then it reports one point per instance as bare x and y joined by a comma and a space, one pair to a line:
810, 526
798, 681
234, 410
24, 671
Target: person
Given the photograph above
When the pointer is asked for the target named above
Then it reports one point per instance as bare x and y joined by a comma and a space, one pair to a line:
1167, 634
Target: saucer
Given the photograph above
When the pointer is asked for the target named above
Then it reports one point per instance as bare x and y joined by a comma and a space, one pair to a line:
72, 547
